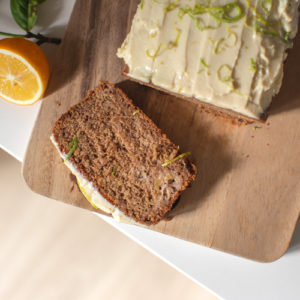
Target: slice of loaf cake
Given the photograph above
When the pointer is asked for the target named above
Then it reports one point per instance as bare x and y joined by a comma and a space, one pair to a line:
227, 54
123, 163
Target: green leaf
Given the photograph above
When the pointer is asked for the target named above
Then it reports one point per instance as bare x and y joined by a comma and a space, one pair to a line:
25, 12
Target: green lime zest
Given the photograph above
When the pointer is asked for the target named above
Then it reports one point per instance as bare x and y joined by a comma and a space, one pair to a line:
211, 40
253, 66
223, 43
217, 48
234, 35
175, 159
114, 171
287, 36
257, 26
239, 93
159, 2
163, 45
175, 43
153, 34
266, 5
168, 6
73, 145
135, 112
258, 17
142, 4
265, 27
224, 74
287, 39
229, 13
204, 63
266, 30
201, 25
171, 6
156, 52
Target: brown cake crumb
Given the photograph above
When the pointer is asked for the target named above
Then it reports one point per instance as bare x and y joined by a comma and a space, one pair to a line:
122, 152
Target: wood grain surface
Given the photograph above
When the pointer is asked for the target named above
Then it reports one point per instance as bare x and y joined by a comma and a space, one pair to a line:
246, 198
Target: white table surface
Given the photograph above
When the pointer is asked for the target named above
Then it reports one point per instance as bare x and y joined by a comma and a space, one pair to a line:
227, 276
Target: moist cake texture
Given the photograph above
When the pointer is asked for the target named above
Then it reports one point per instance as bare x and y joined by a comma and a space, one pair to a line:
122, 161
226, 53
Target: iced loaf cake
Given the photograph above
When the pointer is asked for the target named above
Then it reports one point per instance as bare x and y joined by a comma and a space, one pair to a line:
226, 53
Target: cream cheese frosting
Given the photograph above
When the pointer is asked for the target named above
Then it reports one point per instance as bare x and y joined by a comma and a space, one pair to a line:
224, 52
92, 194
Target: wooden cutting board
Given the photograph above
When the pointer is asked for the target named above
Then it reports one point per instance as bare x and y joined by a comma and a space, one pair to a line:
246, 198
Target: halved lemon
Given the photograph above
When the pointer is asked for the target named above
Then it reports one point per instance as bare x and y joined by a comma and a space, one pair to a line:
24, 71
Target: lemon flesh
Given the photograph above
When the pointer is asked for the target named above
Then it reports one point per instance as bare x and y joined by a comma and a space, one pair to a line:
19, 82
85, 194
